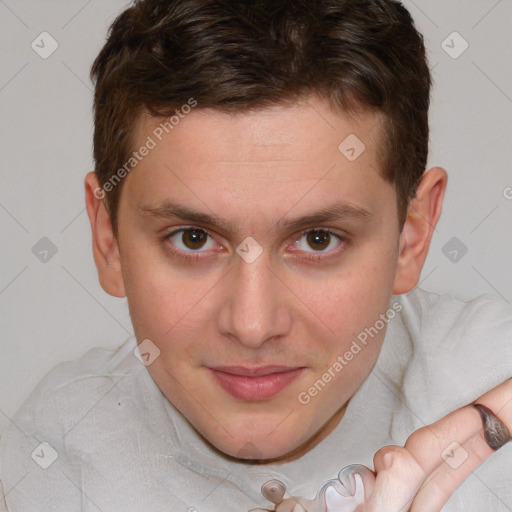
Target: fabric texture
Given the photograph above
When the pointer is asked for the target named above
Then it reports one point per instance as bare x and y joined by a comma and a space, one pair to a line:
113, 442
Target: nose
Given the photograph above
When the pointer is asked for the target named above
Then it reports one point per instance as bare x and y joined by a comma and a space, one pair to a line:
254, 309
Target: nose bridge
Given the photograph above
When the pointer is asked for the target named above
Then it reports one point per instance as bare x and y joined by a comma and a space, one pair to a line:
253, 311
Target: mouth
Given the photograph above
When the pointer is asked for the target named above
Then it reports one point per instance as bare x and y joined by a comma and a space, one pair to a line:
255, 384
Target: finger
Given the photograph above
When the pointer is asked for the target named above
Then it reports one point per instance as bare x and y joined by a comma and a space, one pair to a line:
457, 460
462, 446
399, 477
402, 472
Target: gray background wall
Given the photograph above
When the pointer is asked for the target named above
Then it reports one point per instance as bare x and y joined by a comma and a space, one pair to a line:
52, 307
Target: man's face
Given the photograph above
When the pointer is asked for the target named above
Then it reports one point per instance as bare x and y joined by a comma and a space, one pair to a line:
297, 305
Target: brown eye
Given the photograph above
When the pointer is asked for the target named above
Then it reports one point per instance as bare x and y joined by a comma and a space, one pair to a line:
318, 240
193, 238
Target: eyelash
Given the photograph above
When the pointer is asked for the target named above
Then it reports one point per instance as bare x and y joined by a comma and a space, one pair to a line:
194, 256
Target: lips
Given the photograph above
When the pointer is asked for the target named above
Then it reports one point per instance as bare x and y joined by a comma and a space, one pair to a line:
253, 372
254, 384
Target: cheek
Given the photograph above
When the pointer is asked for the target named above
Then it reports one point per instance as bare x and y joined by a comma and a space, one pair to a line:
353, 297
164, 300
158, 295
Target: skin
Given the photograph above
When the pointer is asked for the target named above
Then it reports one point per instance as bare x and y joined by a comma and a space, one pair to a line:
254, 170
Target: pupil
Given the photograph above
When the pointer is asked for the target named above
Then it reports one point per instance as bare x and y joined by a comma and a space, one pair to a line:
193, 239
319, 238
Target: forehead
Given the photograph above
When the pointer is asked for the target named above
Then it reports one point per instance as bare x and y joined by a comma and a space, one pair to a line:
280, 134
260, 159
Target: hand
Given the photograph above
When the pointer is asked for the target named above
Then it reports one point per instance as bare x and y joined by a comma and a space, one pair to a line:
416, 477
419, 477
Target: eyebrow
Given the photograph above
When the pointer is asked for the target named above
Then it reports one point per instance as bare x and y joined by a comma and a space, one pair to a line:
336, 211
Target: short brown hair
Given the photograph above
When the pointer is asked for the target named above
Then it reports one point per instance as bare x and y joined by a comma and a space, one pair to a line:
251, 54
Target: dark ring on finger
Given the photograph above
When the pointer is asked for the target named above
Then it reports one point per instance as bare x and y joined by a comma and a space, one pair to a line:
496, 432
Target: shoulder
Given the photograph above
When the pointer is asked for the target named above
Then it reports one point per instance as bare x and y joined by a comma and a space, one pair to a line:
71, 387
447, 307
448, 321
86, 423
61, 399
458, 350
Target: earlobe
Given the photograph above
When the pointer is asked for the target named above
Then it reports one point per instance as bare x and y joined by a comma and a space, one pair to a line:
104, 245
422, 216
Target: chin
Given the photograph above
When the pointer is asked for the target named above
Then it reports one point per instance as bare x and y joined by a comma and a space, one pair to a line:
250, 451
253, 433
257, 448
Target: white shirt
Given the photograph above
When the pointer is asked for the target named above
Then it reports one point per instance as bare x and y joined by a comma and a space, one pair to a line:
122, 446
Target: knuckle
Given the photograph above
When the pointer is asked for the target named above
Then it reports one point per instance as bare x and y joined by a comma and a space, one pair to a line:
383, 458
419, 436
422, 441
398, 460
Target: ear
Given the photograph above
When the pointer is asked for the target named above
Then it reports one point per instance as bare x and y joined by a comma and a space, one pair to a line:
104, 245
422, 216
